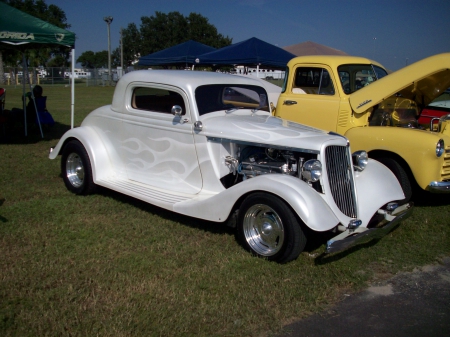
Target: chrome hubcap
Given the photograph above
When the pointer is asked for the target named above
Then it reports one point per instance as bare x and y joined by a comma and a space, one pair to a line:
263, 230
75, 170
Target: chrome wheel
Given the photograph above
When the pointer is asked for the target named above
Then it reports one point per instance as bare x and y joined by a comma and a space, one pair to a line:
75, 170
263, 230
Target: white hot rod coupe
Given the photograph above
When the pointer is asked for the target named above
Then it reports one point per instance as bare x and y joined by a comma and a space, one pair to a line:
206, 145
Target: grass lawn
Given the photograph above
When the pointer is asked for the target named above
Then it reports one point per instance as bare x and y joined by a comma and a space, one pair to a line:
110, 265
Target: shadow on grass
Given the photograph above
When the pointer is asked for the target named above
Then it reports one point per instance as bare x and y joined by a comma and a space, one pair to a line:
16, 135
427, 199
208, 226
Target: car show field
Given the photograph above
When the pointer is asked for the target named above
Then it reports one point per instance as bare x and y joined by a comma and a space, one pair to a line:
111, 264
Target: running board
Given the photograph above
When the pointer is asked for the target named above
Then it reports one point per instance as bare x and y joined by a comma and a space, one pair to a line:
145, 193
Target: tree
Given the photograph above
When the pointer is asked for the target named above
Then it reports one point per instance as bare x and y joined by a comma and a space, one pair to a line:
115, 58
89, 59
202, 31
101, 59
38, 55
57, 61
131, 39
162, 31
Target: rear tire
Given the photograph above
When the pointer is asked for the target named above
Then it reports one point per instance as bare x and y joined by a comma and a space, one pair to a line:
76, 169
401, 176
268, 228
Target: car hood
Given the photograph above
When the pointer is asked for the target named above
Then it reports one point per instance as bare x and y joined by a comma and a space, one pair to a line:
421, 82
266, 129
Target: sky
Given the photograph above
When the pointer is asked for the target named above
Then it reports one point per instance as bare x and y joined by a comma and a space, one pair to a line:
393, 32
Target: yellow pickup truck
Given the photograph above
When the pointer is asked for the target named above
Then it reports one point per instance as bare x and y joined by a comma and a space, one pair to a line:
377, 112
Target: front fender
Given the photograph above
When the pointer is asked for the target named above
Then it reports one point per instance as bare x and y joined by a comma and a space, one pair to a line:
311, 208
375, 187
416, 147
95, 148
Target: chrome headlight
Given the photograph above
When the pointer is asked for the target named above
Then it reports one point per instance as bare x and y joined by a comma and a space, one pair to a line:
312, 170
360, 160
440, 148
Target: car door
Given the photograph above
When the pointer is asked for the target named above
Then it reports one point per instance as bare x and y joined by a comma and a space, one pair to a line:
158, 148
312, 98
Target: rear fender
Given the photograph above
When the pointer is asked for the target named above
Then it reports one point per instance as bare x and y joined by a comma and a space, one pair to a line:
89, 138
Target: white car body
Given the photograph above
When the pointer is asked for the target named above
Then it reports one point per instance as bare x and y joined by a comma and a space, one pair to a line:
190, 163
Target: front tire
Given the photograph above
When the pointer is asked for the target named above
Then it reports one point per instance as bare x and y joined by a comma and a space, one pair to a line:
76, 169
267, 227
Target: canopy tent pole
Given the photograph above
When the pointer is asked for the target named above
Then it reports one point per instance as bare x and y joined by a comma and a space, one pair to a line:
24, 102
72, 106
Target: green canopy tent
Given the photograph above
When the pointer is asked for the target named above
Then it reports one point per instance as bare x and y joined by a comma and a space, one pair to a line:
20, 30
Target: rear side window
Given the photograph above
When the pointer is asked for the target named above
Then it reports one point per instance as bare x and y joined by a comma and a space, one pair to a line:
310, 80
156, 99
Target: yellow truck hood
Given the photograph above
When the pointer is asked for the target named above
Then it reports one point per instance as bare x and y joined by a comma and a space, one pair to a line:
421, 82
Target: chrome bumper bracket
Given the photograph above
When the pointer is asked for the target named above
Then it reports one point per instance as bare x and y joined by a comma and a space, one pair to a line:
350, 238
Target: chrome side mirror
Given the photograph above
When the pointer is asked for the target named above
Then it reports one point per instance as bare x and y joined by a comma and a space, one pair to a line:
177, 110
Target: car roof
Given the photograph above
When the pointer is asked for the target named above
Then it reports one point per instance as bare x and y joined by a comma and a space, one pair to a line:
332, 60
187, 80
182, 78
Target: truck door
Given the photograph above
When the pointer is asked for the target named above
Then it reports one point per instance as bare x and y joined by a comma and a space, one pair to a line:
311, 98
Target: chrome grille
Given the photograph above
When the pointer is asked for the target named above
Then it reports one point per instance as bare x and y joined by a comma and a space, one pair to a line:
445, 173
339, 166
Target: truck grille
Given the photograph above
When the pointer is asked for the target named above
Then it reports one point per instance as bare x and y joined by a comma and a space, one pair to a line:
445, 173
339, 166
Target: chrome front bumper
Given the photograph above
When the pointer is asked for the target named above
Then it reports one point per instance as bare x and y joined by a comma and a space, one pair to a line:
439, 187
351, 237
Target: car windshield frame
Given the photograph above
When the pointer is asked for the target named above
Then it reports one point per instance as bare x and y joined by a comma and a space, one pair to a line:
226, 97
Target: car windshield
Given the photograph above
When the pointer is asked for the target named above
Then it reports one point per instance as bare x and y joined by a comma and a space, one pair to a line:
225, 97
356, 76
443, 100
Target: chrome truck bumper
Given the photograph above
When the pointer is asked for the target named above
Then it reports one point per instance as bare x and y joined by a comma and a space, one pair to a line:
439, 187
351, 237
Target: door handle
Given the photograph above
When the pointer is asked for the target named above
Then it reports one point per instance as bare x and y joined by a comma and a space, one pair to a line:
289, 102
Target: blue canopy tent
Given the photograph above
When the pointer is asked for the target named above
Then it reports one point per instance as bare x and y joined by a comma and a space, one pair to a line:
184, 53
249, 52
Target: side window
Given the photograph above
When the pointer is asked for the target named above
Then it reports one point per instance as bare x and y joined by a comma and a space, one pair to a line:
356, 76
155, 99
380, 72
310, 80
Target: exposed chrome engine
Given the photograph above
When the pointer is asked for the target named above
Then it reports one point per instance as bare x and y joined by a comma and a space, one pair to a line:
253, 161
256, 161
